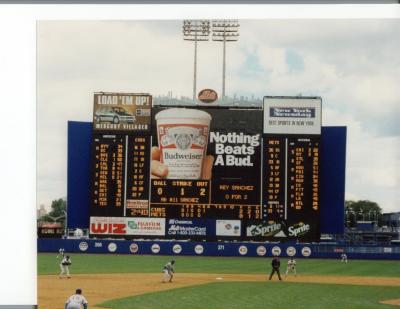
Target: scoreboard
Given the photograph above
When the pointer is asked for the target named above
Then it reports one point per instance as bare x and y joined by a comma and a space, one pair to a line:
291, 183
206, 172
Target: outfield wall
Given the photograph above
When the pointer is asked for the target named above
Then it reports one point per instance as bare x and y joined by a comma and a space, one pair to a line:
244, 249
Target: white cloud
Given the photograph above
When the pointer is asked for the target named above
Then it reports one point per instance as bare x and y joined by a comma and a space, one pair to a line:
373, 170
351, 64
273, 60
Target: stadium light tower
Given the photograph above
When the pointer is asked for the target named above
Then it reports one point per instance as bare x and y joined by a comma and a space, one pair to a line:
225, 30
196, 30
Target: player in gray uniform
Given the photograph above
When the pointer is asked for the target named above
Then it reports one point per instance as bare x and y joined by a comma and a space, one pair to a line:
61, 253
76, 301
344, 257
168, 271
64, 265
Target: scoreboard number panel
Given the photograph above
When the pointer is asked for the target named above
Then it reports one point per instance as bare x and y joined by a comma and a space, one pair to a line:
263, 177
108, 175
121, 166
291, 184
137, 176
274, 178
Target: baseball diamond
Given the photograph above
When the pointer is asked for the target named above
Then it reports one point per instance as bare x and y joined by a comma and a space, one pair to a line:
229, 282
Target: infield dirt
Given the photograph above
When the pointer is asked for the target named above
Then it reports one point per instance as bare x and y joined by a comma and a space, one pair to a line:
97, 288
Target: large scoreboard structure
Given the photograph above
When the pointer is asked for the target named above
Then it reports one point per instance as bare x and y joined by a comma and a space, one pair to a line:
205, 172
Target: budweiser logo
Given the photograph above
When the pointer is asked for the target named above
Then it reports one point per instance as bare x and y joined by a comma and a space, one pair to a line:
207, 95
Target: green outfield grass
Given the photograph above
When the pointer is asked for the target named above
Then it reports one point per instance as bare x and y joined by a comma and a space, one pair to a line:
243, 295
107, 263
263, 295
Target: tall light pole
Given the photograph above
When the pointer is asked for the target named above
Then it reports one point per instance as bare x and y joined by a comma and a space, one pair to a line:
347, 217
225, 30
351, 213
196, 30
374, 215
65, 224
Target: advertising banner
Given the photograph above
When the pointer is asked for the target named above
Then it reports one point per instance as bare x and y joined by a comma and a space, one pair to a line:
127, 226
228, 228
292, 115
121, 112
262, 229
217, 152
145, 226
108, 226
190, 228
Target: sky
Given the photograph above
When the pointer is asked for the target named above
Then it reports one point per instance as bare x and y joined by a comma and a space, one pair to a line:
352, 64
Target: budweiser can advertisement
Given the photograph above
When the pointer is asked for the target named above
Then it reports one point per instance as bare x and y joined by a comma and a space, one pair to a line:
182, 138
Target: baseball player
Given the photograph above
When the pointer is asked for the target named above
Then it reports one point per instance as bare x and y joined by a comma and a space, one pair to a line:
291, 266
168, 271
344, 257
61, 253
276, 264
64, 266
76, 301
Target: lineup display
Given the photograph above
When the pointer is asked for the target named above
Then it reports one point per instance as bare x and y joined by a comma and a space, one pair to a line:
210, 173
108, 173
291, 185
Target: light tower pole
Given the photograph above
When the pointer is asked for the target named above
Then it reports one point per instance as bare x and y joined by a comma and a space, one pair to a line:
225, 30
196, 30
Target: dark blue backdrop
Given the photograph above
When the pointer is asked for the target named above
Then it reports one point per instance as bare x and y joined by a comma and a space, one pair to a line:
333, 168
78, 173
333, 163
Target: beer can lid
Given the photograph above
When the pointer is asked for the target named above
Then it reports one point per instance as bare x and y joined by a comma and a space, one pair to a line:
180, 113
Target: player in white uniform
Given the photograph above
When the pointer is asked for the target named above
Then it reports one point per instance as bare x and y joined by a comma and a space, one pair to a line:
76, 301
291, 266
344, 257
168, 271
64, 265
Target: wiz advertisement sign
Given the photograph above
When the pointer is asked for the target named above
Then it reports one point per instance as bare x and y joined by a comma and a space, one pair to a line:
127, 226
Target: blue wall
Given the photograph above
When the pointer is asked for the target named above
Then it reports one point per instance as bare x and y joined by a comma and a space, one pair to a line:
333, 163
78, 183
217, 248
333, 172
